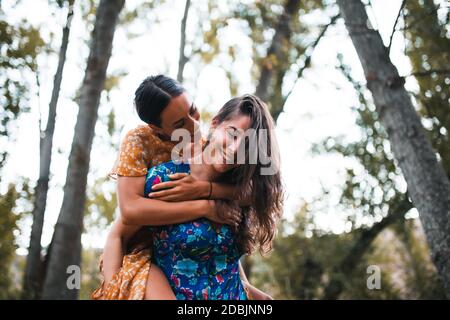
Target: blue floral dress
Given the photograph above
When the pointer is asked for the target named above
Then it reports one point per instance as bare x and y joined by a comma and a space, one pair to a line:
199, 258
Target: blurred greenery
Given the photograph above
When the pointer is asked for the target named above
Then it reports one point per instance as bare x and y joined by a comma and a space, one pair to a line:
14, 206
19, 48
301, 267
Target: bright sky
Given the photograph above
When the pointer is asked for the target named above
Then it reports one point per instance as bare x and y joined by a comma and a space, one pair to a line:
318, 107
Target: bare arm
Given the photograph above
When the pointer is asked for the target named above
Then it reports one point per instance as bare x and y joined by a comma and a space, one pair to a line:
184, 187
255, 293
242, 272
137, 210
115, 247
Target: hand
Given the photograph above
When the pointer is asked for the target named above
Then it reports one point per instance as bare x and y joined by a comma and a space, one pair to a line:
262, 296
182, 187
224, 212
255, 293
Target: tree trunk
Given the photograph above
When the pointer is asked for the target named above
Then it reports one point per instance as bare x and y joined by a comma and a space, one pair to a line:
346, 267
182, 60
428, 184
276, 54
66, 242
33, 270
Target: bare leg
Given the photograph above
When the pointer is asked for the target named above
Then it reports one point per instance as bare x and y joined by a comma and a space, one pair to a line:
158, 287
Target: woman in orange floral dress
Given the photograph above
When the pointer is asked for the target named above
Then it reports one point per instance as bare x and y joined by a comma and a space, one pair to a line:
144, 147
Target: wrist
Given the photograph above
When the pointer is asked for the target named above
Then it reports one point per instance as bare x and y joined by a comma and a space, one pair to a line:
210, 191
208, 209
204, 189
204, 209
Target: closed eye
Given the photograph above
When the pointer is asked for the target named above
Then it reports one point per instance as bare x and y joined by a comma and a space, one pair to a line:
179, 124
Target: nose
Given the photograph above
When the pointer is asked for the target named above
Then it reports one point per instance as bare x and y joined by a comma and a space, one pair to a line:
192, 125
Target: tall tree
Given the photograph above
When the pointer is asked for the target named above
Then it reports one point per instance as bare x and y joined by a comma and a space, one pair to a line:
428, 184
277, 54
424, 44
278, 35
65, 247
284, 51
182, 60
371, 192
33, 271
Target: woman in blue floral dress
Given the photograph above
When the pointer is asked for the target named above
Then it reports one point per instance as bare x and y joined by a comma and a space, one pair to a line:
199, 258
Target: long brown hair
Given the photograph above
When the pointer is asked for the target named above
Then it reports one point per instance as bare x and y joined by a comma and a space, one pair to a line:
265, 190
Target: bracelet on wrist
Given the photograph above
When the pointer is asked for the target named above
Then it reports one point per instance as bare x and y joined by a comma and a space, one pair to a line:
210, 191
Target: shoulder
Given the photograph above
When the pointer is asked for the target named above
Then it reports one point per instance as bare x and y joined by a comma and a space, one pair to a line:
141, 133
141, 139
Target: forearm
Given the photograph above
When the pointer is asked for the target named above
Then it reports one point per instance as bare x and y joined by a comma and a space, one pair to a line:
229, 192
242, 273
142, 211
255, 293
112, 256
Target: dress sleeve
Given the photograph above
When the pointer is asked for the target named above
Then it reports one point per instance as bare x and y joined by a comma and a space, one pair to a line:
131, 159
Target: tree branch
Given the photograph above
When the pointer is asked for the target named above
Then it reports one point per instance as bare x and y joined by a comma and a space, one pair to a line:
308, 58
276, 52
429, 72
395, 24
183, 59
348, 264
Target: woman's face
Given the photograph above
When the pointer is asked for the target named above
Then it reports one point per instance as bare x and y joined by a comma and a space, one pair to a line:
180, 113
225, 141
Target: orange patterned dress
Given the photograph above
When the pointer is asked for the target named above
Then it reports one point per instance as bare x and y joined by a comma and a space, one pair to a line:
142, 147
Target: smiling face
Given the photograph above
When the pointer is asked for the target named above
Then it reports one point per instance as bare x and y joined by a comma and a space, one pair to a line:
180, 113
225, 141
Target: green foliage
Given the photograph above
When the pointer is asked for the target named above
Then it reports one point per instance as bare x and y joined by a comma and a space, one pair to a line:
101, 205
373, 183
301, 267
11, 211
144, 11
428, 48
262, 19
90, 278
258, 20
19, 48
113, 80
8, 225
421, 276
